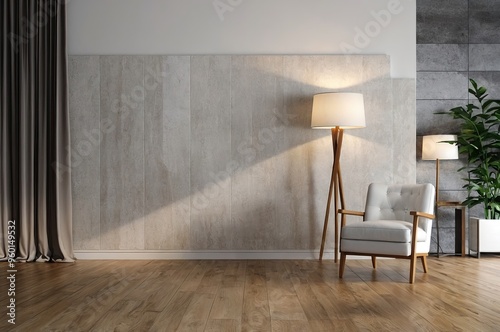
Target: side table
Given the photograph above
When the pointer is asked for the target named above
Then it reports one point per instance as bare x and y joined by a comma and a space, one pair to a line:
459, 209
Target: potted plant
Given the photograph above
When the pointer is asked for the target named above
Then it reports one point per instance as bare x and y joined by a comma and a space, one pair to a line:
479, 141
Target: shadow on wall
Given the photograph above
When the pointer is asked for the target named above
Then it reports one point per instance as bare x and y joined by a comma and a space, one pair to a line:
216, 152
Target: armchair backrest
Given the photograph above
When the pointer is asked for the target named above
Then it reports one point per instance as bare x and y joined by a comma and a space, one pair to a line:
394, 202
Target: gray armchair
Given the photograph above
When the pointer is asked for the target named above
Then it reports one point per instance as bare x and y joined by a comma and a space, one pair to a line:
392, 213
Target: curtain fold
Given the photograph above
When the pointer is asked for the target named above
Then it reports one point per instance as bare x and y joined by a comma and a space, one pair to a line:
35, 176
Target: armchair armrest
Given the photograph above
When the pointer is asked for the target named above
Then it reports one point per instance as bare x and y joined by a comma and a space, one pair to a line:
422, 214
344, 212
352, 213
416, 215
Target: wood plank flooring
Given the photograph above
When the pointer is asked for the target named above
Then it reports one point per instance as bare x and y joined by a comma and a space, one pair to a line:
458, 294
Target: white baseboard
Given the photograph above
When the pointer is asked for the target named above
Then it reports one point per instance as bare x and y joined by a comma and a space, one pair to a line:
200, 254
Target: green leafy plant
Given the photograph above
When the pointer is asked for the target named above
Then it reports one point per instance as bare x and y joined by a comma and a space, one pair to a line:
479, 140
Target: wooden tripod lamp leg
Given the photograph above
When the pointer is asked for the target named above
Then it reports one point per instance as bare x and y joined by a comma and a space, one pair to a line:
335, 188
338, 188
436, 208
327, 213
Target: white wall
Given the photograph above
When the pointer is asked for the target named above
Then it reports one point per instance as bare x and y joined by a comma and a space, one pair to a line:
246, 27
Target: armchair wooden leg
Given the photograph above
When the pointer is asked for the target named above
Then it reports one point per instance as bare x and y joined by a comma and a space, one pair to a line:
374, 262
424, 263
342, 264
413, 268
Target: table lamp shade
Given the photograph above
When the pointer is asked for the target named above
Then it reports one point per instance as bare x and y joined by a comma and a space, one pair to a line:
338, 109
434, 147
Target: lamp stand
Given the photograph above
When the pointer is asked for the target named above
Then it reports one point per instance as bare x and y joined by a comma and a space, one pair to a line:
437, 180
436, 207
336, 187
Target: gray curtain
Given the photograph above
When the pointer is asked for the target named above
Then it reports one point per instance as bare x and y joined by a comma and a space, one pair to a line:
35, 179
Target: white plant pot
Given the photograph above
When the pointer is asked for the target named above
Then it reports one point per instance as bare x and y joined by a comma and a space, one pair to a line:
484, 235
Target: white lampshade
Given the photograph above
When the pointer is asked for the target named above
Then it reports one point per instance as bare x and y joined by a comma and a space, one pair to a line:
338, 109
434, 148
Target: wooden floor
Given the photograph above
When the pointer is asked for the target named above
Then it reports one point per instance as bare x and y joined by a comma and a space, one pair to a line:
458, 294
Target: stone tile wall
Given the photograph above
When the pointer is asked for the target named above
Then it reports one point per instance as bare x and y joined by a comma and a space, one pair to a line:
456, 40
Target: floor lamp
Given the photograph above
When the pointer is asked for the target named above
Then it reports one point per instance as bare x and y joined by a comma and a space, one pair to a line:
436, 147
336, 111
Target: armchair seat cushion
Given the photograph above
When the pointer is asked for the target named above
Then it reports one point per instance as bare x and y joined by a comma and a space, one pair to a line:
382, 230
